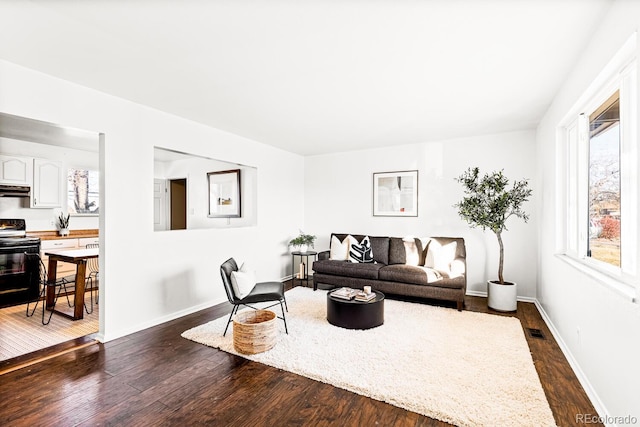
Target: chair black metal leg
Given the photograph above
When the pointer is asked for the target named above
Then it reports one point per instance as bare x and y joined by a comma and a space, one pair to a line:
40, 296
285, 303
97, 290
34, 307
284, 318
44, 307
64, 285
235, 308
90, 281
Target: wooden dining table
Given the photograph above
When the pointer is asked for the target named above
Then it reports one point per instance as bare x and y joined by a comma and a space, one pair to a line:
78, 257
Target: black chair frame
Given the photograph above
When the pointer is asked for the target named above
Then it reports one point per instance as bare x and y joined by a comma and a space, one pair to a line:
93, 267
261, 292
61, 284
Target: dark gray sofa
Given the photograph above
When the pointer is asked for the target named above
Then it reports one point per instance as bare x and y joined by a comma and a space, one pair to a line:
399, 269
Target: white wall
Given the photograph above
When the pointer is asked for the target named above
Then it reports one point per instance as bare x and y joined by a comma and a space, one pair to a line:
599, 327
148, 277
338, 199
46, 219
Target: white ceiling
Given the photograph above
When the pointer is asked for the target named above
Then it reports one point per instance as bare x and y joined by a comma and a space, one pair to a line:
314, 76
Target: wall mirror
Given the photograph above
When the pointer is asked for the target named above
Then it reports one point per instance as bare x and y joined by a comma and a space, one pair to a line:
181, 192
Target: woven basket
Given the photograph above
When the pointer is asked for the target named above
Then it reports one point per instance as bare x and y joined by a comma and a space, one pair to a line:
254, 331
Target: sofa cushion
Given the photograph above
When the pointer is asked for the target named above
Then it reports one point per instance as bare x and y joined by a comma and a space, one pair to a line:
380, 249
440, 256
419, 276
349, 269
409, 274
413, 251
396, 251
361, 252
404, 250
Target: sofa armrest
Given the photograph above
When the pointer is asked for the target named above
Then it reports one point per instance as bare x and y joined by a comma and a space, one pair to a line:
323, 255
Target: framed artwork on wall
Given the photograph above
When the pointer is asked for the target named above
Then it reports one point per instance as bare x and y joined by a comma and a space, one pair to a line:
395, 193
224, 194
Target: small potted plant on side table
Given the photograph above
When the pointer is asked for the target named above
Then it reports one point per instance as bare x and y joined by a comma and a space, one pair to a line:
302, 242
63, 224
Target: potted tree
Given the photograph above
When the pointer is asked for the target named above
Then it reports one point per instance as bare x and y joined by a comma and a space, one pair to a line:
489, 203
302, 242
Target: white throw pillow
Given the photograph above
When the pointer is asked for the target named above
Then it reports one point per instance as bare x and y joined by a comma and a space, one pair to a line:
340, 250
440, 257
412, 254
243, 280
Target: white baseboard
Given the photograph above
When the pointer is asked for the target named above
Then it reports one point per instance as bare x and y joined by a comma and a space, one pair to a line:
172, 316
476, 293
483, 294
584, 381
290, 276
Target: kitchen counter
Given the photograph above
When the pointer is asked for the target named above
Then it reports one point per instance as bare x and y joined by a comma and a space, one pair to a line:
73, 234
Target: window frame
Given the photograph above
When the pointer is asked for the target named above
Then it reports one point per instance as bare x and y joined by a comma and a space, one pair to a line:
572, 168
71, 190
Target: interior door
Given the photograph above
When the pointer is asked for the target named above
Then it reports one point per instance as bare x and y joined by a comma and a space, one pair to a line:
159, 204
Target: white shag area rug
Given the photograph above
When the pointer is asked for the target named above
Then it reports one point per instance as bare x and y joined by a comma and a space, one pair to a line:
465, 368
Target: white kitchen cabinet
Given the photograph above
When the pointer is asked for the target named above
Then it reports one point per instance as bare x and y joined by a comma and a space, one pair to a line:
84, 241
47, 184
16, 170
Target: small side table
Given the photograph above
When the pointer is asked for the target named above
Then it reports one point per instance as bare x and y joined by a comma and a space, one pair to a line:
305, 269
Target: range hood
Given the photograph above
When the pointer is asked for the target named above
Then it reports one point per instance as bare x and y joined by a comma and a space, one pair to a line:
15, 191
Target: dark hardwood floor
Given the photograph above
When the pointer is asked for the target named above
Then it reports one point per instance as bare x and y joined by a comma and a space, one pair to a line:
156, 377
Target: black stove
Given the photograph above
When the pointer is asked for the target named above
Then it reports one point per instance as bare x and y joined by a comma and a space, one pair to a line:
19, 280
16, 228
18, 241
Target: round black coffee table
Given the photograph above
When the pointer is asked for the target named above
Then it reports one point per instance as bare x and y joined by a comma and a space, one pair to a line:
352, 314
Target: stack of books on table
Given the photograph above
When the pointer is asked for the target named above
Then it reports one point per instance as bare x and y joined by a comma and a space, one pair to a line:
365, 297
345, 293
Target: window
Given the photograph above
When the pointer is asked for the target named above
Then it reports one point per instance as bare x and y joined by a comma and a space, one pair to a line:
598, 160
83, 197
604, 182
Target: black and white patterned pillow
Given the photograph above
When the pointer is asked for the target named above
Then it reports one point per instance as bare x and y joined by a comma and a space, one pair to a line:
361, 252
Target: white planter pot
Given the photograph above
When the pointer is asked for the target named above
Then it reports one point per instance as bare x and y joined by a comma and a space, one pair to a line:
301, 248
502, 297
64, 231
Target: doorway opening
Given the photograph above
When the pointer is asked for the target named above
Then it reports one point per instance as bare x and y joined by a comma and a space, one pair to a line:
178, 203
33, 141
